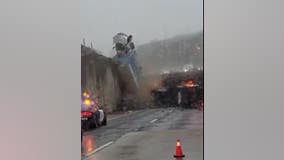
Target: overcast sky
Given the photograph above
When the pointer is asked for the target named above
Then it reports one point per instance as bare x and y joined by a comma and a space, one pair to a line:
146, 20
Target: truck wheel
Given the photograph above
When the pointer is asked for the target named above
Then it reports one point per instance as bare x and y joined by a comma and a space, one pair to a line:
81, 136
95, 125
105, 120
87, 127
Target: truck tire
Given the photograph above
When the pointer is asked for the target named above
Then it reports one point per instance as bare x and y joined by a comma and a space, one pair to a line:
104, 122
81, 136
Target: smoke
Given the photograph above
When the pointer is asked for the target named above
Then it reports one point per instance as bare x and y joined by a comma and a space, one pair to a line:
178, 54
147, 84
171, 54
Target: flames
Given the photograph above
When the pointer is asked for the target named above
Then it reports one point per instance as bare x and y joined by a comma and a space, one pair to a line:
189, 83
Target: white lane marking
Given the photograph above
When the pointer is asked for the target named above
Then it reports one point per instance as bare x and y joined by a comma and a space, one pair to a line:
103, 146
98, 149
154, 120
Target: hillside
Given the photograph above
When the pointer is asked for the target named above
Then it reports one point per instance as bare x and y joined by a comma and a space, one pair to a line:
172, 53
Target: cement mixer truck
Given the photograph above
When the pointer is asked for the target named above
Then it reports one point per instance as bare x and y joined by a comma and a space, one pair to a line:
126, 58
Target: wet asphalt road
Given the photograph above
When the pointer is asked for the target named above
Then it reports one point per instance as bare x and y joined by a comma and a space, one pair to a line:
130, 136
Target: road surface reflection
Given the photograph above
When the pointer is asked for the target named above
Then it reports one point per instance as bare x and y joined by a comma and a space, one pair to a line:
88, 144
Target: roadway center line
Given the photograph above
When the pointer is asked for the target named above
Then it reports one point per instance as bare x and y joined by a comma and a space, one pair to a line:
154, 120
88, 155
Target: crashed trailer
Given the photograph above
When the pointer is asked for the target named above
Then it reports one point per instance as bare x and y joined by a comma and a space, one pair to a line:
189, 95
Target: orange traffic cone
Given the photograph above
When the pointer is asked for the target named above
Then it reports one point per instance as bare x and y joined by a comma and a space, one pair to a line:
178, 150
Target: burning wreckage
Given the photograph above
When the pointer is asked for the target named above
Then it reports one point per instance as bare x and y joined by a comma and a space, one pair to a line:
184, 89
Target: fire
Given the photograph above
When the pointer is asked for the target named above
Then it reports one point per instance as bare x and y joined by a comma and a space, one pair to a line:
189, 83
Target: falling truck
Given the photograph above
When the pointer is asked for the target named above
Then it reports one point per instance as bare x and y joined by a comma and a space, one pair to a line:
128, 67
126, 58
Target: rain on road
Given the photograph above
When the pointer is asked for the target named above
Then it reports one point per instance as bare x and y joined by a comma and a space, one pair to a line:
145, 134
